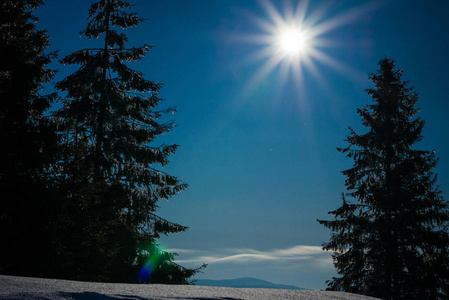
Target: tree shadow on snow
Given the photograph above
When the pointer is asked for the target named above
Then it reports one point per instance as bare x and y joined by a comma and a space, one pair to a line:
98, 296
203, 298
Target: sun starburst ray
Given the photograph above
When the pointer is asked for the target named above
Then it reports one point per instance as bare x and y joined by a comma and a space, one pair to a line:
292, 39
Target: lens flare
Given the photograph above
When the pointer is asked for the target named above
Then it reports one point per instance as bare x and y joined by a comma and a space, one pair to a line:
148, 268
154, 255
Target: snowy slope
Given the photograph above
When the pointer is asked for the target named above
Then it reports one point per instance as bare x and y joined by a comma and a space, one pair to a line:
22, 288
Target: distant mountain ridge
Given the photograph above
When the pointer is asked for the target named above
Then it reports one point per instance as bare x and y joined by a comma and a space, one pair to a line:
246, 282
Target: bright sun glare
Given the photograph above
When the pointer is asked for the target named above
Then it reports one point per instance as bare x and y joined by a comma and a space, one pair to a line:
292, 37
293, 41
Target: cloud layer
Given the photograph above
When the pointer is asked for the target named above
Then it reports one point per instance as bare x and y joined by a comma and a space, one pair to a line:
301, 265
245, 255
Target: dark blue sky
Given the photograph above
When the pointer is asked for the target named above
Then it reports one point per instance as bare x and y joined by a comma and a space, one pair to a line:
258, 139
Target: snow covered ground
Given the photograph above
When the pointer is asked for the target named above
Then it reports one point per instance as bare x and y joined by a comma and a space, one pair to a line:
22, 288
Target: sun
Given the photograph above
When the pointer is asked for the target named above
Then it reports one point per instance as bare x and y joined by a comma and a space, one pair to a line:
293, 41
289, 40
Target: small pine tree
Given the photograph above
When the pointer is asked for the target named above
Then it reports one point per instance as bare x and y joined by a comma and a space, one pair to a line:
28, 141
392, 243
108, 123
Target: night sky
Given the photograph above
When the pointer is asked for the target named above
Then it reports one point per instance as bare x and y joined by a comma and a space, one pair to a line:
258, 124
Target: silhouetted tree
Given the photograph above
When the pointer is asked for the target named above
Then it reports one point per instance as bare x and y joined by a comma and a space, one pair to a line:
28, 141
392, 243
109, 167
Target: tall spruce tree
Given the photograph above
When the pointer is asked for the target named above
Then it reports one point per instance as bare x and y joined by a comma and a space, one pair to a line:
28, 141
392, 242
108, 124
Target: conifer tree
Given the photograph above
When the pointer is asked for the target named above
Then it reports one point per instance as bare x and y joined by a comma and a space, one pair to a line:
111, 170
28, 141
392, 242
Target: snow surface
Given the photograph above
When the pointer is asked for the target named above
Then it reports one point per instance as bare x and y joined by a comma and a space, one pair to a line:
23, 288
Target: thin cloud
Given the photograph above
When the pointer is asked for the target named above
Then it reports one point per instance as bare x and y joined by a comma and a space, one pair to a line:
181, 251
247, 255
299, 250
